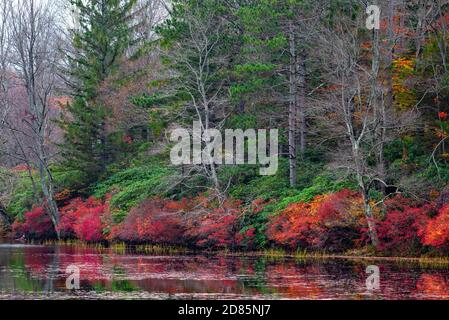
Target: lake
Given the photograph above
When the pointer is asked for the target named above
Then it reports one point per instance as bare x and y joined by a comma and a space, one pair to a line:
39, 272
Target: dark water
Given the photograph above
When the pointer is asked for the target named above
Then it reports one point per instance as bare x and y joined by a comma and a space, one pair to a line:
38, 272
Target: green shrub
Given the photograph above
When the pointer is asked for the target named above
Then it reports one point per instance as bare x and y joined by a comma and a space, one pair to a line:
323, 183
131, 186
23, 197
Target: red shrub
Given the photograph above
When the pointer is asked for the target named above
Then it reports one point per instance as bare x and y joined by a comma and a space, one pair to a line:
217, 227
295, 227
436, 232
211, 225
398, 233
69, 217
160, 227
332, 222
89, 226
36, 225
83, 219
155, 221
196, 221
400, 203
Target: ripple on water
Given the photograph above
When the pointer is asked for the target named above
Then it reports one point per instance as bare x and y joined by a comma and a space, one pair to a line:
27, 272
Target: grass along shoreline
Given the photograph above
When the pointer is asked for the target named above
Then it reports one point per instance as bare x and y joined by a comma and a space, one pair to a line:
274, 254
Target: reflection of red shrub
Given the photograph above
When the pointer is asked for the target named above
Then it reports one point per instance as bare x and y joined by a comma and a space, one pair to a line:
436, 232
83, 219
435, 285
332, 222
37, 225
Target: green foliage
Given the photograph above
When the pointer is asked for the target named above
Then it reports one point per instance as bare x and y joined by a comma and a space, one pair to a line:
436, 176
248, 185
323, 183
131, 186
7, 180
242, 121
104, 33
23, 198
84, 146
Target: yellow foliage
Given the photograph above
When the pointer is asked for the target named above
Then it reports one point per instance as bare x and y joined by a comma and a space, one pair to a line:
404, 97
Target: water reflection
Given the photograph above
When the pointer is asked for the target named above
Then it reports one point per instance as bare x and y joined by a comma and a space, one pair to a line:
27, 271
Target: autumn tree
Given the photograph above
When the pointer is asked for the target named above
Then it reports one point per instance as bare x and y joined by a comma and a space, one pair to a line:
197, 42
354, 104
31, 64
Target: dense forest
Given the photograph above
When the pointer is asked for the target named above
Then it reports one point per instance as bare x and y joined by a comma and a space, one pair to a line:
90, 90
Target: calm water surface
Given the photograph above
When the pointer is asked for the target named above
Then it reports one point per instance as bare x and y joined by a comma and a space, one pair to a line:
38, 272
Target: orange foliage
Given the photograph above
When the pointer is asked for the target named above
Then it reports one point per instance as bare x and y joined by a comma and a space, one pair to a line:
434, 285
333, 221
436, 232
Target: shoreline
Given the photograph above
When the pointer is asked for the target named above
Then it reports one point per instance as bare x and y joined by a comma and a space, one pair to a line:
148, 249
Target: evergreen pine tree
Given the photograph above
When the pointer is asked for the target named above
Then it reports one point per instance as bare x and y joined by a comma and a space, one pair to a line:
100, 40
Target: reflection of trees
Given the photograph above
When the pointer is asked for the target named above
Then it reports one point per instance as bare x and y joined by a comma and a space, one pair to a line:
433, 286
52, 270
186, 274
14, 276
42, 269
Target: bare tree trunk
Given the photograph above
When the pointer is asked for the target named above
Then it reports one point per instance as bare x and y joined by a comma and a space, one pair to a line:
365, 194
420, 28
198, 53
389, 56
381, 104
292, 113
212, 167
370, 218
302, 102
442, 40
47, 186
376, 99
